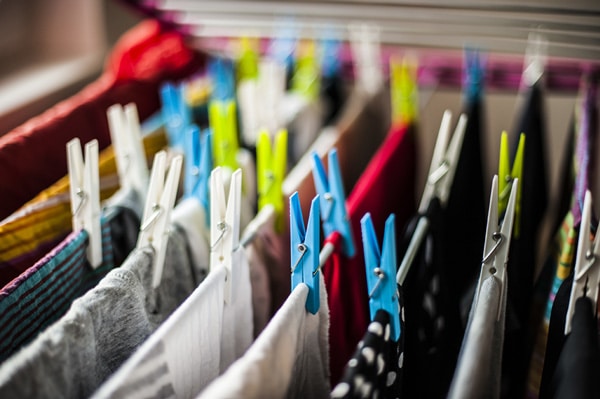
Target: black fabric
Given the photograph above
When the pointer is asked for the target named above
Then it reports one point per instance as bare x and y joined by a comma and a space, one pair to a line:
523, 247
434, 333
332, 92
375, 370
578, 368
466, 211
556, 335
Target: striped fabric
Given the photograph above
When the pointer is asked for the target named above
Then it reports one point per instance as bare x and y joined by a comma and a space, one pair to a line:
45, 291
45, 221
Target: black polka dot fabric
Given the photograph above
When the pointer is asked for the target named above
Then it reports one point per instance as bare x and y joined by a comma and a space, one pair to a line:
375, 370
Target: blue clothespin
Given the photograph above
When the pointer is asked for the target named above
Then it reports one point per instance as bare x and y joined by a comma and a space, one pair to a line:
176, 114
330, 61
283, 45
222, 77
198, 165
381, 271
305, 250
474, 77
333, 200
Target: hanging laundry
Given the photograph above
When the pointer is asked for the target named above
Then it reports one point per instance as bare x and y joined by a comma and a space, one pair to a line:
345, 277
376, 368
289, 359
523, 249
123, 299
578, 366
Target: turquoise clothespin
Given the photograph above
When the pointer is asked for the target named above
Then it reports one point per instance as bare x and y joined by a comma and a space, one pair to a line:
334, 215
176, 113
198, 166
474, 78
330, 61
223, 80
305, 250
381, 271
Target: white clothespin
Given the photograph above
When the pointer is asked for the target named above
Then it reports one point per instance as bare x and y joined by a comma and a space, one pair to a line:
126, 137
270, 93
157, 210
536, 57
366, 52
587, 268
84, 183
497, 241
439, 183
224, 223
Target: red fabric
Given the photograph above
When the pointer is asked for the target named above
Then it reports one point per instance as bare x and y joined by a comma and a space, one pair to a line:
386, 186
33, 155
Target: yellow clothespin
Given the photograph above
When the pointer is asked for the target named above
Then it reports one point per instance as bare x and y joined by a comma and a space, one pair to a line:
271, 172
404, 90
247, 67
306, 79
222, 118
506, 177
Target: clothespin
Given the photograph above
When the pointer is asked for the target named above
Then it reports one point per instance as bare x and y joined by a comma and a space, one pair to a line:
497, 240
157, 210
270, 95
366, 52
224, 223
439, 183
283, 45
330, 58
176, 113
305, 250
474, 77
271, 172
506, 177
306, 78
247, 67
536, 57
587, 268
444, 161
198, 165
380, 266
223, 81
222, 118
84, 184
330, 188
404, 90
126, 137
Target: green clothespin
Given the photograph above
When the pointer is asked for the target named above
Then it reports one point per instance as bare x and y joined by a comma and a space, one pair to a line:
247, 67
222, 119
307, 78
271, 172
404, 90
506, 177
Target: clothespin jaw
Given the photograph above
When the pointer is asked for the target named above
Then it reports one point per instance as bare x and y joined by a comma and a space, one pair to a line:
305, 250
444, 161
222, 118
198, 165
224, 223
474, 78
306, 78
586, 278
126, 137
223, 80
380, 266
271, 172
84, 189
247, 66
506, 177
334, 215
404, 90
176, 113
366, 52
536, 57
157, 210
497, 240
